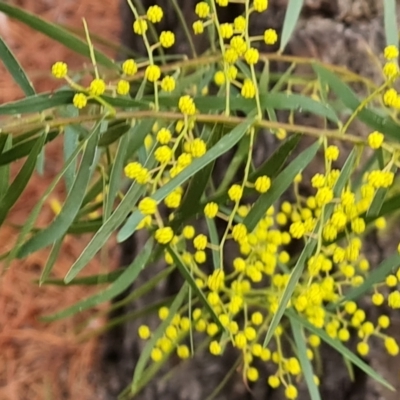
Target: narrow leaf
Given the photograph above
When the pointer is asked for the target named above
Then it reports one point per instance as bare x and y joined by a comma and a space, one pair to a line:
21, 180
145, 354
121, 283
15, 69
279, 185
305, 363
339, 347
390, 22
308, 250
72, 204
293, 10
223, 145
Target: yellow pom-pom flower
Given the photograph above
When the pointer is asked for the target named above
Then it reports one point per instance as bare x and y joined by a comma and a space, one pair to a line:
164, 235
226, 30
198, 27
270, 36
375, 140
248, 89
152, 73
164, 136
332, 153
183, 352
222, 3
231, 56
391, 52
202, 9
200, 242
215, 348
79, 100
167, 39
260, 5
198, 148
211, 210
291, 392
59, 70
219, 78
156, 354
168, 84
123, 87
140, 26
262, 184
147, 206
154, 14
251, 56
238, 44
163, 154
239, 24
235, 192
144, 332
186, 105
129, 67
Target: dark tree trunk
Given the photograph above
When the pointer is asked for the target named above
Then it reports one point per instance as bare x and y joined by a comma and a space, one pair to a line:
342, 32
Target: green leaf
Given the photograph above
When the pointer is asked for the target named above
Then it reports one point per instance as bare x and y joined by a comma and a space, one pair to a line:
124, 280
306, 366
21, 180
72, 204
55, 251
114, 133
308, 250
191, 282
351, 101
145, 354
5, 144
38, 206
106, 229
23, 149
214, 239
115, 176
293, 10
15, 69
86, 280
56, 33
390, 22
339, 347
379, 198
377, 275
223, 145
196, 186
279, 185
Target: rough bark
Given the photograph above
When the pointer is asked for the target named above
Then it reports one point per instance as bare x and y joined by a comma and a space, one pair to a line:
342, 32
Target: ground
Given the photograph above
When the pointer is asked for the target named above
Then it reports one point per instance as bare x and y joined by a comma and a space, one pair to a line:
40, 360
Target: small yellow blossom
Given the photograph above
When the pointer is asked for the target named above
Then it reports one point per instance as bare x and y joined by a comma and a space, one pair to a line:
168, 84
211, 210
186, 105
270, 36
79, 100
332, 153
235, 192
129, 67
248, 89
164, 136
226, 30
59, 70
375, 140
154, 14
391, 52
140, 26
167, 39
123, 87
202, 9
198, 27
152, 73
260, 5
164, 235
262, 184
251, 56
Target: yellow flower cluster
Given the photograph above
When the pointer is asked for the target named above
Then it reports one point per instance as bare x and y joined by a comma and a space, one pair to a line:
390, 70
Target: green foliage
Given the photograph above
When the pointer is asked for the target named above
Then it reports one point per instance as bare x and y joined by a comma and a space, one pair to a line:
143, 148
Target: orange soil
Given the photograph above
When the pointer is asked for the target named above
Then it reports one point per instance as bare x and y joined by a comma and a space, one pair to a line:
47, 360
